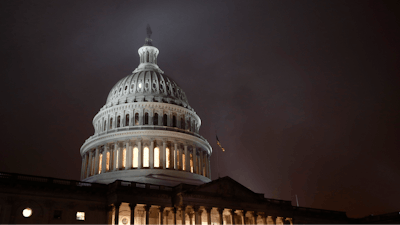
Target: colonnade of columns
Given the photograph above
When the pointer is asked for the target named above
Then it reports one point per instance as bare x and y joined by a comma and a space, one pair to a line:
145, 154
189, 215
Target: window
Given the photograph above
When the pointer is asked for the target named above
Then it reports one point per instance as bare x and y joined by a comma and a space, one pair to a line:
165, 120
174, 121
188, 125
135, 157
124, 158
127, 120
182, 123
57, 214
146, 157
116, 160
105, 125
156, 157
108, 161
146, 118
183, 161
177, 159
27, 212
167, 158
80, 216
155, 119
100, 162
111, 121
191, 163
118, 121
136, 118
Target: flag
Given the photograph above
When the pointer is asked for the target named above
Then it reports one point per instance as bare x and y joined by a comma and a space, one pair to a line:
219, 144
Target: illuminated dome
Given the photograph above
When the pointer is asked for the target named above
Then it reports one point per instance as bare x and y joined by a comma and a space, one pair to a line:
146, 132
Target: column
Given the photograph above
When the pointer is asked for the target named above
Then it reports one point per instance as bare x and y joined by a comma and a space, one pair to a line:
129, 155
197, 218
174, 214
120, 155
151, 155
187, 159
209, 166
201, 162
140, 155
141, 115
232, 211
264, 221
180, 159
183, 214
164, 160
96, 161
194, 159
104, 163
116, 218
147, 212
221, 215
89, 164
208, 211
83, 171
175, 154
254, 215
132, 207
244, 217
161, 211
115, 166
166, 216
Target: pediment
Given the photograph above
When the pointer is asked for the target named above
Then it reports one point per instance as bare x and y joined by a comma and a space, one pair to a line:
226, 187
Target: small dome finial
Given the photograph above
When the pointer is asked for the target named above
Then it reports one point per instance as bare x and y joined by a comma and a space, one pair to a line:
148, 39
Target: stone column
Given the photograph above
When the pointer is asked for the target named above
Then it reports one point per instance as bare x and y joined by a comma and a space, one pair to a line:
174, 214
244, 217
151, 155
166, 216
84, 170
115, 166
89, 164
197, 218
147, 212
180, 159
208, 211
273, 218
161, 219
104, 163
96, 162
140, 154
116, 218
160, 118
120, 155
129, 155
264, 221
183, 214
254, 215
164, 160
141, 115
232, 211
201, 162
187, 159
132, 207
221, 215
175, 155
194, 160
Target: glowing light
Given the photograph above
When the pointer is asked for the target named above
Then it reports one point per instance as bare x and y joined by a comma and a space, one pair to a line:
80, 215
108, 161
27, 212
183, 161
100, 162
156, 157
168, 158
146, 161
135, 157
124, 158
140, 85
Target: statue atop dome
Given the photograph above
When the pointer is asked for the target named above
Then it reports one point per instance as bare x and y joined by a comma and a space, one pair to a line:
148, 39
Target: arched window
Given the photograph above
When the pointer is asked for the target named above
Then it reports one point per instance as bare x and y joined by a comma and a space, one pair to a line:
118, 121
165, 120
127, 120
105, 125
135, 158
174, 121
108, 161
188, 127
146, 157
124, 158
147, 57
146, 118
100, 162
111, 121
136, 118
155, 119
167, 158
182, 123
156, 157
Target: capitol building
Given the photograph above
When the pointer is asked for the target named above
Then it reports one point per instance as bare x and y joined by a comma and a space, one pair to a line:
147, 163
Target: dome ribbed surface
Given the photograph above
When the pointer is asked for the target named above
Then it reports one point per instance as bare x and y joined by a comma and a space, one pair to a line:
149, 86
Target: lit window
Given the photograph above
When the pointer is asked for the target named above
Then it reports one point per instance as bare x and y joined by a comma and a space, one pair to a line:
124, 158
167, 158
191, 163
135, 157
27, 212
108, 161
177, 159
80, 215
116, 160
156, 157
183, 161
140, 85
146, 157
100, 162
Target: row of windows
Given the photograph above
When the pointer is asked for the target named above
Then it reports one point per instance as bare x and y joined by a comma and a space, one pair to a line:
183, 124
28, 212
112, 163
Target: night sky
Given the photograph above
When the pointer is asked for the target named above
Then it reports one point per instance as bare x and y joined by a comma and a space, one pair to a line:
304, 95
